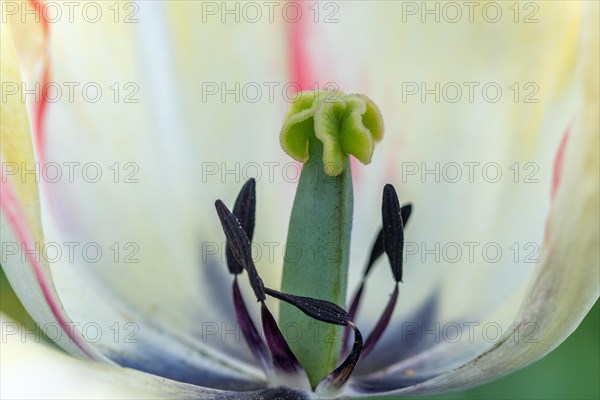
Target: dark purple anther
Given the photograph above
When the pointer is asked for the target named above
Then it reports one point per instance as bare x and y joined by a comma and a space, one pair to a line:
320, 310
244, 209
240, 245
393, 230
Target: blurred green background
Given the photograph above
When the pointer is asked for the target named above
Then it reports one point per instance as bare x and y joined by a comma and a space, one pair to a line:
570, 372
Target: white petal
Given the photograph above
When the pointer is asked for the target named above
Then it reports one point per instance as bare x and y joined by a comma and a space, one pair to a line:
565, 283
20, 217
33, 369
384, 58
161, 299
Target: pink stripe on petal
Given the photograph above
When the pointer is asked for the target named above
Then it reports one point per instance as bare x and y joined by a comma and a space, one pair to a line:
301, 71
38, 5
558, 160
16, 218
40, 114
42, 106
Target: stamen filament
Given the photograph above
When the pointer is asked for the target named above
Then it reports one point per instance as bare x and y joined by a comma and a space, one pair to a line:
283, 357
382, 323
253, 339
334, 382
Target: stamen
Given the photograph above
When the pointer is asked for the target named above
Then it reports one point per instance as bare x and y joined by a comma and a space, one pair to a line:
285, 362
283, 357
377, 251
405, 212
244, 209
378, 247
239, 226
321, 310
329, 312
333, 383
240, 245
382, 323
393, 243
393, 230
354, 309
253, 338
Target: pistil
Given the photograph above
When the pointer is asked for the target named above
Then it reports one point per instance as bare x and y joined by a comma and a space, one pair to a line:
322, 129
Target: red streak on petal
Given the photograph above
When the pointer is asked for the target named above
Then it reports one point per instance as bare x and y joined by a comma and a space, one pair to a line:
39, 5
16, 218
557, 174
41, 107
40, 114
558, 161
300, 63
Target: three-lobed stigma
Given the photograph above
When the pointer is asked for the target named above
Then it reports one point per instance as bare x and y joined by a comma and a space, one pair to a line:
344, 123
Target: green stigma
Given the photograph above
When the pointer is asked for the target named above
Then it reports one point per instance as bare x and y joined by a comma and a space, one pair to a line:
344, 124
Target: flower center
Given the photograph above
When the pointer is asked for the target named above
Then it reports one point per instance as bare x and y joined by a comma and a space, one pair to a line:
273, 352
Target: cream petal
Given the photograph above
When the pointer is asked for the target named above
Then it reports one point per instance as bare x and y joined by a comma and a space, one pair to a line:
565, 284
97, 324
27, 358
392, 52
20, 218
153, 137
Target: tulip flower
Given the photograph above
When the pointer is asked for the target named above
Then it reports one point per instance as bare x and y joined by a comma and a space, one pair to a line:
124, 124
